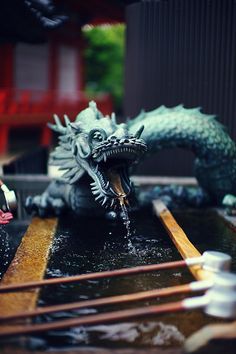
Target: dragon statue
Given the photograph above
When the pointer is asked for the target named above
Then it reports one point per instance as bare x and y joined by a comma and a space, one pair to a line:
96, 155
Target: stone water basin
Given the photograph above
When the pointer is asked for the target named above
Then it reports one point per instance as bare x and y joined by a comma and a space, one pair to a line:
84, 245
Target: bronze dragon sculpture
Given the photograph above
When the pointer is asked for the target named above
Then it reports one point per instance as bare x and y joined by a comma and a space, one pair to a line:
96, 155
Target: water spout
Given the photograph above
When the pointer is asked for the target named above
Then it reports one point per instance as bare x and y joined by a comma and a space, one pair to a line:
126, 221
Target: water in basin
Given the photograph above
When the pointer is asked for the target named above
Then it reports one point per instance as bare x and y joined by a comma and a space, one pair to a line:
92, 245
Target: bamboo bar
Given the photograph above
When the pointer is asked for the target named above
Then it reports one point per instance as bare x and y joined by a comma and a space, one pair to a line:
144, 295
180, 239
89, 276
93, 319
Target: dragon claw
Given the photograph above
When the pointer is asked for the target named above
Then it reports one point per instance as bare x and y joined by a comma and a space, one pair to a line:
44, 205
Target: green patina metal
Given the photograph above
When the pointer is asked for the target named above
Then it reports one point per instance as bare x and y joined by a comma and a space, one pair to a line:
215, 151
98, 147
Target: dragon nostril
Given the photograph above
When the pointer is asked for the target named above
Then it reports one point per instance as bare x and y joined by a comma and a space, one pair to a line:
112, 138
124, 141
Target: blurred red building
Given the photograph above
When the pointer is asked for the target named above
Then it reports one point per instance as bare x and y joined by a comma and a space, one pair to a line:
39, 79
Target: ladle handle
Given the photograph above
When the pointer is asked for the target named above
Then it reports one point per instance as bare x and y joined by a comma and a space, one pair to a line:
3, 187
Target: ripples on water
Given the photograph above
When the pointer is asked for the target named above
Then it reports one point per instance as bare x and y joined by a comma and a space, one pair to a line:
148, 333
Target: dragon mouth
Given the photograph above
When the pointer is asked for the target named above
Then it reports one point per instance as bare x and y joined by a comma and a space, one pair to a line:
110, 169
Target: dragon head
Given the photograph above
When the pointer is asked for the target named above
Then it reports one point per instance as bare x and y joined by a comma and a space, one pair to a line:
99, 146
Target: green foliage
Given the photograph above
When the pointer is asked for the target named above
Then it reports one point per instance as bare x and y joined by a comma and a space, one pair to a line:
104, 57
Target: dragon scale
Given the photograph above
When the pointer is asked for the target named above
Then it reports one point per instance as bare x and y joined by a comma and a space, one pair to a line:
204, 135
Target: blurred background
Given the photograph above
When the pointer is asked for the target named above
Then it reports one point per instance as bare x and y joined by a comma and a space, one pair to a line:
55, 56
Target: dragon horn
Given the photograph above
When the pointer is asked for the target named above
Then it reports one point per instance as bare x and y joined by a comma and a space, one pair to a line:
75, 127
58, 127
57, 121
67, 120
139, 132
113, 118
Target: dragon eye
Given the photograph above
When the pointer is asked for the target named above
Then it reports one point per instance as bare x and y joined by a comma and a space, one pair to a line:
97, 136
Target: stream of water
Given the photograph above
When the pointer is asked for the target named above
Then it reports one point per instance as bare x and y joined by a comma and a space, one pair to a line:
127, 224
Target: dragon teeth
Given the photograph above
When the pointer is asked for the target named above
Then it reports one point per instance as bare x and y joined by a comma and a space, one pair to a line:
99, 197
96, 169
95, 192
104, 200
107, 185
